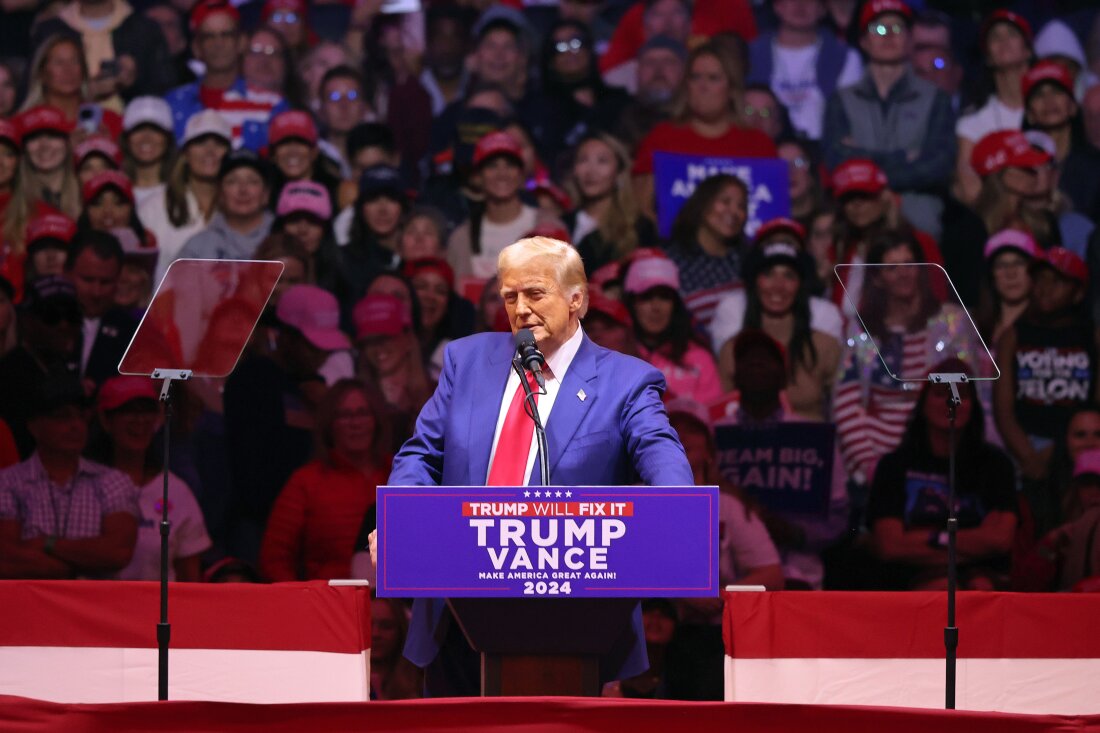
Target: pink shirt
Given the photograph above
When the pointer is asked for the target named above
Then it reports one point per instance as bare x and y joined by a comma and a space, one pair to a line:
696, 378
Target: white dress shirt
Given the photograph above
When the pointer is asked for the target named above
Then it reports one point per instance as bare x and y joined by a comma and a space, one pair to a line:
558, 364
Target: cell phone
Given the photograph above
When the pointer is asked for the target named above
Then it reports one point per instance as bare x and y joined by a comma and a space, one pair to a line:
89, 117
108, 67
393, 7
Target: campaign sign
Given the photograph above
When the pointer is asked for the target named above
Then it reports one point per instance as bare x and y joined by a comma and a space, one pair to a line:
787, 467
676, 175
504, 542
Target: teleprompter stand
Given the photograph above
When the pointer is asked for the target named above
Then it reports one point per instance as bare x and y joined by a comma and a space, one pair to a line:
197, 325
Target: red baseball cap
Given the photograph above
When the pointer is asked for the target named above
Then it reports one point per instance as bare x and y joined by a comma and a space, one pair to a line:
1047, 71
50, 226
293, 6
108, 179
610, 273
613, 309
858, 175
43, 118
875, 8
380, 314
97, 145
429, 264
207, 8
551, 230
117, 391
1006, 16
10, 132
497, 143
292, 125
1005, 149
1065, 263
781, 224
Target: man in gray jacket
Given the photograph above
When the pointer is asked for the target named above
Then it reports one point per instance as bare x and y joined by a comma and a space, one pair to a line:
895, 118
242, 220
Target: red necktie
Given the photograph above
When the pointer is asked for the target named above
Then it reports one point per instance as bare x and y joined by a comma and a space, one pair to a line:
514, 446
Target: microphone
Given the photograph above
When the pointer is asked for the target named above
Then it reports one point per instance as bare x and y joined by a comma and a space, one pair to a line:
528, 353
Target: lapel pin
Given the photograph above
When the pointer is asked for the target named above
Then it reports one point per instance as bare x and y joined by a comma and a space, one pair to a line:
581, 395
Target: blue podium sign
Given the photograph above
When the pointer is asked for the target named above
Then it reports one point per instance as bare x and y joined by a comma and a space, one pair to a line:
557, 541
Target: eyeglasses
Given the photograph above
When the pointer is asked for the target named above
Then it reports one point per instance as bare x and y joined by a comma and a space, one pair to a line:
761, 112
351, 95
881, 29
284, 16
800, 163
217, 36
262, 49
573, 45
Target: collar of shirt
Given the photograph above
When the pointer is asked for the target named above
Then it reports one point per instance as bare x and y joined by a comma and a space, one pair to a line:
84, 467
563, 357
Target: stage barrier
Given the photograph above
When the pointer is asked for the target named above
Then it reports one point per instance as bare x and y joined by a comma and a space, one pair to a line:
517, 715
1018, 653
95, 641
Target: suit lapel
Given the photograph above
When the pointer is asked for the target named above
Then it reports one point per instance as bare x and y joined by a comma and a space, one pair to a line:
569, 409
487, 392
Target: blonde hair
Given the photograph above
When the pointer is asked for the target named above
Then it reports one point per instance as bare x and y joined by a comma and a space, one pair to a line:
735, 75
567, 264
36, 95
27, 192
617, 226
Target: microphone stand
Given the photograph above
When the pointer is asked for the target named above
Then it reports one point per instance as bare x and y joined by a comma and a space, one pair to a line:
531, 408
951, 631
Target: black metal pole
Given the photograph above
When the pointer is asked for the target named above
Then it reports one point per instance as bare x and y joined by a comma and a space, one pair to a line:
164, 629
951, 632
530, 406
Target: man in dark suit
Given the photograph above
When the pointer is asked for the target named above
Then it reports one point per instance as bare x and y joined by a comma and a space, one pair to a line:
605, 425
93, 266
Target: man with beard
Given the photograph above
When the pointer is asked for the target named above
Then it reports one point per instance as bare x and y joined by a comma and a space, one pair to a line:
661, 66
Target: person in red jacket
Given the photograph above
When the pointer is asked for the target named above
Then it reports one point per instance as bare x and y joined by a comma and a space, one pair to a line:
313, 525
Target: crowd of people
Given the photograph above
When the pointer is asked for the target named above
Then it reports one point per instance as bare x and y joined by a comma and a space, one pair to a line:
386, 159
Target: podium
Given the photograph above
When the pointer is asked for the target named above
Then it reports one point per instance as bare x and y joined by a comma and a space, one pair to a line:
562, 658
544, 582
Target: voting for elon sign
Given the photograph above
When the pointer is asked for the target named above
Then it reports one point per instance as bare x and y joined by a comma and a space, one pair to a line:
547, 541
676, 175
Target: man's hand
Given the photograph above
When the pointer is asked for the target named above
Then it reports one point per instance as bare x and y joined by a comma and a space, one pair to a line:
372, 543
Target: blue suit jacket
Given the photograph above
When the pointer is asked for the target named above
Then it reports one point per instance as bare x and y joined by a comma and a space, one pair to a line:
617, 435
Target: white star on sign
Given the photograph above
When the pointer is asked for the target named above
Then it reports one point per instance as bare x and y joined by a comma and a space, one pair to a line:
558, 494
526, 494
568, 494
538, 494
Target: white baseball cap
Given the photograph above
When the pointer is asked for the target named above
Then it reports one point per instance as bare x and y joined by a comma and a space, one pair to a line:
207, 122
147, 111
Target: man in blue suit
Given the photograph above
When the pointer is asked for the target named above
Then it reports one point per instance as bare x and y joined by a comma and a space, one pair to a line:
605, 425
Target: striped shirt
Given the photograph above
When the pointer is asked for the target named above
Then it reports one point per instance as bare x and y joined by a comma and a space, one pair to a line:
74, 510
705, 279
